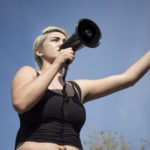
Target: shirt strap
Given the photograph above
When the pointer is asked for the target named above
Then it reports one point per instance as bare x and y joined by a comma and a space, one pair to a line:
78, 89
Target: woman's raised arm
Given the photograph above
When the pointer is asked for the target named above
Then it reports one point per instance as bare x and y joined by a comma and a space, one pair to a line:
92, 89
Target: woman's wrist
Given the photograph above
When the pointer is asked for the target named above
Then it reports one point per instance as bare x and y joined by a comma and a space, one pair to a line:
58, 65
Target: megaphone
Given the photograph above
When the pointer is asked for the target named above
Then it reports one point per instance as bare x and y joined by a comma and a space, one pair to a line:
87, 33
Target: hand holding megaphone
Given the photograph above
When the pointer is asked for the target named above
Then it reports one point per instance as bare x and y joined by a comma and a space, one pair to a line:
87, 33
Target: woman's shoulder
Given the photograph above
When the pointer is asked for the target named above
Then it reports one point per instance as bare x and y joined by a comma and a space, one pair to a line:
29, 68
26, 71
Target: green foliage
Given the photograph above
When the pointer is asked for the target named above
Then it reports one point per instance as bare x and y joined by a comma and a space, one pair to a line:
106, 140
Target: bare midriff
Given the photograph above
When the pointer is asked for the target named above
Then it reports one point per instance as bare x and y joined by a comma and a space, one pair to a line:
44, 146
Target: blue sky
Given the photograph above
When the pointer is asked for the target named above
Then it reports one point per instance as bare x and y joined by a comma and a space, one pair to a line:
125, 26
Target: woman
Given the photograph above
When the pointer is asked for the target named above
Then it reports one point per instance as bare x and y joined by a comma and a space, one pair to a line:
37, 95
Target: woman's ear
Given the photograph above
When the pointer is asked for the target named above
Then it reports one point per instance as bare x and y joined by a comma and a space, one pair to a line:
39, 53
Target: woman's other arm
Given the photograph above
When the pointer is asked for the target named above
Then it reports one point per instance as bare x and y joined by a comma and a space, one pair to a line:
93, 89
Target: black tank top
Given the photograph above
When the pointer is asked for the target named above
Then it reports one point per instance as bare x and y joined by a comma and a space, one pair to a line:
45, 123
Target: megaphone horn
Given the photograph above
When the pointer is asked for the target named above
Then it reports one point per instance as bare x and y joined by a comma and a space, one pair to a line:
87, 33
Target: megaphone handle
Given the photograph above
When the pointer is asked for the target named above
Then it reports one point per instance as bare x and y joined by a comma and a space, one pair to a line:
66, 65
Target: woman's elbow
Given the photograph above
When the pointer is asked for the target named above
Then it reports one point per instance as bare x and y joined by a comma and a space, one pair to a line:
130, 79
18, 106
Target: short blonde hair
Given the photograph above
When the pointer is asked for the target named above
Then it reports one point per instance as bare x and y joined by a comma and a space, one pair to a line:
38, 43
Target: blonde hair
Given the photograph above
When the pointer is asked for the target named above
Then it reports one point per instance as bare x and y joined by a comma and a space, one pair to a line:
38, 43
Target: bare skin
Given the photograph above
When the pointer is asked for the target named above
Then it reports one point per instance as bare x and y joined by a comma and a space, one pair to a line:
45, 146
27, 89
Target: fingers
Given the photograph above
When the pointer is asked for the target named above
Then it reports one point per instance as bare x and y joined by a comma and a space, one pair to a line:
65, 56
69, 50
68, 54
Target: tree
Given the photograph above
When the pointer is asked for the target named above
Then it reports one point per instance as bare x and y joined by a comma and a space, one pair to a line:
106, 140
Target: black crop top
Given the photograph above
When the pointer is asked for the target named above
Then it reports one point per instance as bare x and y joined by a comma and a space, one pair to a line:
45, 123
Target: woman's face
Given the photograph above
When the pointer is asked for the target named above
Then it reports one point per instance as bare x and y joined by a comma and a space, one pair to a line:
51, 45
